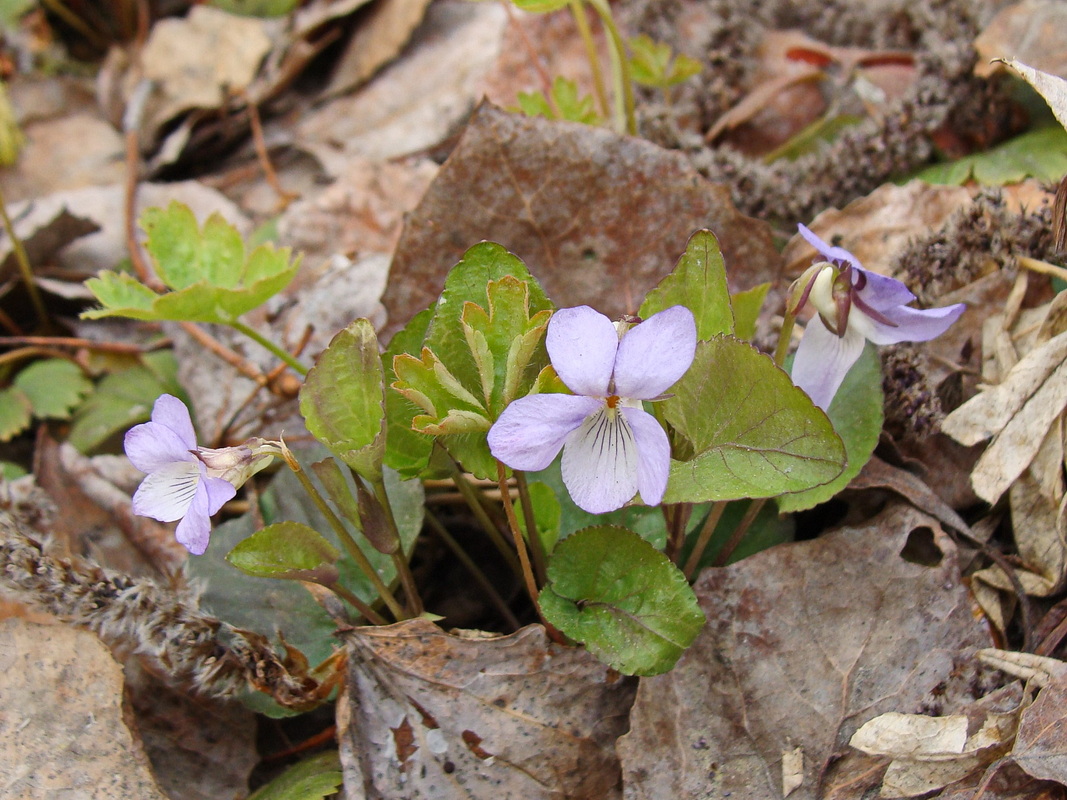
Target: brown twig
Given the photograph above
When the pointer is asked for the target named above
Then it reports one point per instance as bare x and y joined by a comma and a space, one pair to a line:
87, 344
241, 364
260, 144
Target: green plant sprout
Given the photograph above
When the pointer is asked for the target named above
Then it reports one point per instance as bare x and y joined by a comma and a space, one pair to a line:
639, 60
675, 432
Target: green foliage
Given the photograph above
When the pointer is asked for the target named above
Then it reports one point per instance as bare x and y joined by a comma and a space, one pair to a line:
565, 103
256, 8
746, 307
540, 6
857, 415
547, 513
286, 550
124, 398
313, 778
343, 399
1040, 153
746, 430
654, 64
698, 282
54, 386
767, 529
211, 277
610, 589
407, 451
16, 413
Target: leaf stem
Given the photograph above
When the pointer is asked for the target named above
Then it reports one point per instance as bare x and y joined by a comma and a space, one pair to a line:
474, 502
711, 522
625, 120
785, 336
723, 556
516, 533
407, 580
479, 577
537, 547
372, 616
23, 262
582, 22
349, 543
264, 342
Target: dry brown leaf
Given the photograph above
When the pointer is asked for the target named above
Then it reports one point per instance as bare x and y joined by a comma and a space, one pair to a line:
1052, 87
1031, 31
431, 715
380, 37
1041, 746
804, 642
598, 218
62, 728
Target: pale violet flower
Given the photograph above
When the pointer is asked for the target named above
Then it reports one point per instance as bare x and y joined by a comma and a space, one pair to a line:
854, 305
185, 482
612, 447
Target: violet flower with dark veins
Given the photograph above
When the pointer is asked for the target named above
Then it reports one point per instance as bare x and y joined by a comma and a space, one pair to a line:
612, 447
186, 482
854, 305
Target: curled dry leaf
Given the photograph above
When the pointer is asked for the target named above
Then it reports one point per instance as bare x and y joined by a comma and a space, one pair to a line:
427, 714
1031, 31
62, 730
804, 642
1041, 746
598, 218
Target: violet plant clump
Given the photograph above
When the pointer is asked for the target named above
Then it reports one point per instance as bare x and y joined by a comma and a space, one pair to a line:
854, 305
185, 481
612, 448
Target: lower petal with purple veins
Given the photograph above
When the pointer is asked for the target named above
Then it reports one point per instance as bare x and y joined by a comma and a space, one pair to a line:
600, 462
653, 455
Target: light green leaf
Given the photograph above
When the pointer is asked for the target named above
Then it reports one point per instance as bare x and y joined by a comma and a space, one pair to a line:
697, 282
54, 387
313, 778
653, 63
567, 103
16, 412
406, 450
286, 550
750, 432
1040, 153
746, 307
857, 414
343, 399
611, 590
540, 6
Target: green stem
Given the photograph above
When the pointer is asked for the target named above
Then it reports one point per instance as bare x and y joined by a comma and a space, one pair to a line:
474, 501
516, 533
349, 543
25, 269
784, 338
710, 523
473, 569
407, 580
582, 21
738, 535
625, 119
372, 616
537, 547
262, 341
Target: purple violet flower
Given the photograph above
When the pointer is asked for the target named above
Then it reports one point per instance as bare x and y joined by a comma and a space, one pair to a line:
854, 305
179, 484
612, 447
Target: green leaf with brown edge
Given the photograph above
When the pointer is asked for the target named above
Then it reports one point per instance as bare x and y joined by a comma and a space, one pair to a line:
314, 778
343, 399
857, 415
623, 599
697, 282
751, 432
288, 551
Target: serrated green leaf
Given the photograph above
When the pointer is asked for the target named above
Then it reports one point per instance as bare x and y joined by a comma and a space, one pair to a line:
857, 415
698, 282
313, 778
611, 590
289, 551
54, 387
16, 412
535, 104
123, 399
573, 105
1040, 154
746, 307
211, 278
406, 450
654, 63
343, 399
750, 431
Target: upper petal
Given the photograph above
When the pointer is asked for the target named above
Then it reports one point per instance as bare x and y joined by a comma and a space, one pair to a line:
582, 344
531, 431
653, 455
827, 251
823, 359
600, 463
151, 446
655, 354
883, 293
911, 324
167, 493
171, 412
